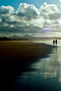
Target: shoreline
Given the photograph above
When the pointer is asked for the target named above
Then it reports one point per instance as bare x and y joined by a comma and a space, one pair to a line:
17, 51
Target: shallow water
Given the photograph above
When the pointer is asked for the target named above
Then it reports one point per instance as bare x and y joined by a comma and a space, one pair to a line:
49, 42
42, 75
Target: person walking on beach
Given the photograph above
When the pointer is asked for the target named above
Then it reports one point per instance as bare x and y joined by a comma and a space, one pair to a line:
53, 42
56, 41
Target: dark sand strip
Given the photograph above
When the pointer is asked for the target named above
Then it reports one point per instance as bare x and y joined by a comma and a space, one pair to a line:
17, 50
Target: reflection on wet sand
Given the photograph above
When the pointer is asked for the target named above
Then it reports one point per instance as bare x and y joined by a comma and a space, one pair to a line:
45, 72
50, 66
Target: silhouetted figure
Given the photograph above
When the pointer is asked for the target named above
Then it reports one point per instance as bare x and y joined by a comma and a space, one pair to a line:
56, 41
53, 42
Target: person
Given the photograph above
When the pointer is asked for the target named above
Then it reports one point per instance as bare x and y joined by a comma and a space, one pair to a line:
53, 42
56, 41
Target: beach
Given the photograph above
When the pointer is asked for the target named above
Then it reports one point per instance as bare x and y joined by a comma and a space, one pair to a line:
17, 50
16, 57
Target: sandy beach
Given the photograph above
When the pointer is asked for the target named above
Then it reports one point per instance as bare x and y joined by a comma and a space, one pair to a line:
15, 58
17, 50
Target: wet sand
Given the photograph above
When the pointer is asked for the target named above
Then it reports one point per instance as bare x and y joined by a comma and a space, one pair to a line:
17, 50
15, 57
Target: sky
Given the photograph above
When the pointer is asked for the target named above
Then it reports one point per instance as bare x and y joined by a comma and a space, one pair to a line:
28, 17
37, 3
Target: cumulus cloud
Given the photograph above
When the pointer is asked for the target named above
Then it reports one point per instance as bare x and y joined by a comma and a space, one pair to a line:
50, 11
60, 1
28, 18
49, 8
28, 10
6, 10
51, 14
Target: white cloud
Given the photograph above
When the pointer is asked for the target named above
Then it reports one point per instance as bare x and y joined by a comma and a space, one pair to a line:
50, 11
28, 18
6, 10
49, 8
60, 1
28, 9
51, 14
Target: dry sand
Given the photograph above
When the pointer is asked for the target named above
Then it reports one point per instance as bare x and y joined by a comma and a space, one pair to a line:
17, 50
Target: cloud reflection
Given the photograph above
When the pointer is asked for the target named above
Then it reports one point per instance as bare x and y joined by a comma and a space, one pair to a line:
45, 68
